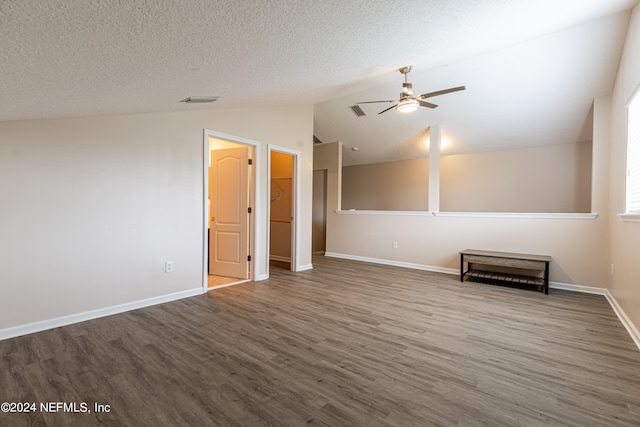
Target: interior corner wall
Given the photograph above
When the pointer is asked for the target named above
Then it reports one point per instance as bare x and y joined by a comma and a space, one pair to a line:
93, 207
624, 236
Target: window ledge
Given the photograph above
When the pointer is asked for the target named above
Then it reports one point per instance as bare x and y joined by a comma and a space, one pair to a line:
401, 213
631, 217
525, 215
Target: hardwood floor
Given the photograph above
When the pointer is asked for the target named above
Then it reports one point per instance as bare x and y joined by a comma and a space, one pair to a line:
222, 281
346, 343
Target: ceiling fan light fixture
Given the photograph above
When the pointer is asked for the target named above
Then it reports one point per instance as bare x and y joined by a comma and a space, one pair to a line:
407, 106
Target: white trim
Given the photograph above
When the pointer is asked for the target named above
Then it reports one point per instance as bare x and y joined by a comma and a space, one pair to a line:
295, 247
394, 263
577, 288
401, 213
254, 247
261, 276
524, 215
634, 92
624, 319
629, 217
304, 268
57, 322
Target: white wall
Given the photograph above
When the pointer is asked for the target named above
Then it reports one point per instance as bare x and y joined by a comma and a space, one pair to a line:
93, 207
624, 235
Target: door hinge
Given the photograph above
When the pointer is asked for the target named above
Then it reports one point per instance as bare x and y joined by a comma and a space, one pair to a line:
250, 161
249, 209
249, 258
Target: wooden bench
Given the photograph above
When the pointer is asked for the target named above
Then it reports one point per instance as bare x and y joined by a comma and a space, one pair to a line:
475, 259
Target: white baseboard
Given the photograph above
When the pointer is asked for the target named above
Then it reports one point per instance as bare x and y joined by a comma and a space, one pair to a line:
394, 263
30, 328
624, 319
304, 267
279, 258
577, 288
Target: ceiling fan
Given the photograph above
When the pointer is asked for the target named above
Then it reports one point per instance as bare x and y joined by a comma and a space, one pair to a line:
407, 102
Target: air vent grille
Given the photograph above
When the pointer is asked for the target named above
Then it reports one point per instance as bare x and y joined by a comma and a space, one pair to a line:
357, 110
316, 140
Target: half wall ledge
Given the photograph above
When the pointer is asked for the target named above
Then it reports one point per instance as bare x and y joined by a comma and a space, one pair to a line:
524, 215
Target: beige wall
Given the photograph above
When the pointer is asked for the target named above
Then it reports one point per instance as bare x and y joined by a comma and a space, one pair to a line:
624, 235
393, 186
281, 165
576, 245
93, 207
554, 178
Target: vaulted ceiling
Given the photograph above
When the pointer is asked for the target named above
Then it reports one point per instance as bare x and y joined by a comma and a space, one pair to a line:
531, 67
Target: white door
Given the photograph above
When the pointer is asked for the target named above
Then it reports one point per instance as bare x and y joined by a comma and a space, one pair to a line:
229, 194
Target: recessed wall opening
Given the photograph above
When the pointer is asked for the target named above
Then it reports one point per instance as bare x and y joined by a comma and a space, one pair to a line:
283, 208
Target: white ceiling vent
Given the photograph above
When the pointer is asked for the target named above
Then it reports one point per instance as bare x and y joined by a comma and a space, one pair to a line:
357, 110
200, 99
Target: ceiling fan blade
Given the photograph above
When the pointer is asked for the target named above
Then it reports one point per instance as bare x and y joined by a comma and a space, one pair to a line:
375, 102
427, 104
440, 92
384, 111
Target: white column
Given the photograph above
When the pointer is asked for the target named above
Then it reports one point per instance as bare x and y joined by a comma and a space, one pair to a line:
434, 168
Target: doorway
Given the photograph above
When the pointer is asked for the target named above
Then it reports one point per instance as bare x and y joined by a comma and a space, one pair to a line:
229, 197
283, 208
319, 214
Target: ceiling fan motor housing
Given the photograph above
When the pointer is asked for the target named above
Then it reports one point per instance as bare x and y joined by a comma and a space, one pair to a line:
407, 90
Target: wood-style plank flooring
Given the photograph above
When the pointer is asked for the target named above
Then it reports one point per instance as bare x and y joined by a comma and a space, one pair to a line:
346, 343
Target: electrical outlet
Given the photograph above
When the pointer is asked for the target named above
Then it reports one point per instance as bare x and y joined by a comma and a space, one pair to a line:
168, 266
612, 269
395, 245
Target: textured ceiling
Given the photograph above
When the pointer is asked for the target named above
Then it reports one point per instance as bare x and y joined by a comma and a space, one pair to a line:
66, 58
536, 92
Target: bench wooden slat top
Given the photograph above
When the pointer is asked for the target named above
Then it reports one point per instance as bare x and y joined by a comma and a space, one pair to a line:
511, 255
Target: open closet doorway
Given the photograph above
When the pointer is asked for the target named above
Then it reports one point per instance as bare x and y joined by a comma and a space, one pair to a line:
230, 198
319, 213
283, 208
